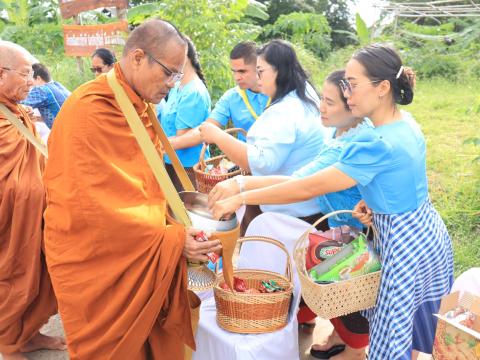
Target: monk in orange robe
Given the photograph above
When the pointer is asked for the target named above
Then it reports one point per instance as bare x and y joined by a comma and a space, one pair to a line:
26, 296
117, 260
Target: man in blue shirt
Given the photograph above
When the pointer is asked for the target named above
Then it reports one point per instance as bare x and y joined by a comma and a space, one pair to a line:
46, 95
243, 103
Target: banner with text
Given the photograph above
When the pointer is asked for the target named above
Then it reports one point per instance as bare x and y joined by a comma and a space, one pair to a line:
82, 40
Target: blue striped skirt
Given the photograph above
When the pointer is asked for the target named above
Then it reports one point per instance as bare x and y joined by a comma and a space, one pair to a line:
417, 270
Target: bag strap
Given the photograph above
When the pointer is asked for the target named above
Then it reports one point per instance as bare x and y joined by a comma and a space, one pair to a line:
24, 130
149, 150
177, 165
243, 95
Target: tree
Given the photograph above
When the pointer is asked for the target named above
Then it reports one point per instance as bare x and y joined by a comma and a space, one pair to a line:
215, 27
338, 16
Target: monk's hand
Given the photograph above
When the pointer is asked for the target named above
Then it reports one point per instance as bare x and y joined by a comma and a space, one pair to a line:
226, 207
196, 250
363, 213
223, 190
210, 132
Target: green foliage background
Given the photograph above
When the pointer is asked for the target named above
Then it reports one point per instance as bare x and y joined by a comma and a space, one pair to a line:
445, 57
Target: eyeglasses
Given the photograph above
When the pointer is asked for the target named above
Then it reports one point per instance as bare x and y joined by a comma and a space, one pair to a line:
26, 76
348, 89
172, 75
261, 71
96, 69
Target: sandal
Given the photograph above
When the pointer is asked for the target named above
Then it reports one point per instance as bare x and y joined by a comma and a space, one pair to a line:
327, 354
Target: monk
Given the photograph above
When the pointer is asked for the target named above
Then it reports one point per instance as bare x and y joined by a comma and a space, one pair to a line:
26, 296
116, 258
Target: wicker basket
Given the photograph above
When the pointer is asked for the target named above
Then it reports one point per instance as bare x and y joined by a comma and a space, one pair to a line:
255, 313
206, 182
339, 298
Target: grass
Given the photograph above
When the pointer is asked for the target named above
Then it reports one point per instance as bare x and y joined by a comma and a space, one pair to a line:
449, 113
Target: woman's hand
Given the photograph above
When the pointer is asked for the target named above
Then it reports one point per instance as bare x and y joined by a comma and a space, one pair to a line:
223, 190
363, 213
210, 132
226, 207
196, 250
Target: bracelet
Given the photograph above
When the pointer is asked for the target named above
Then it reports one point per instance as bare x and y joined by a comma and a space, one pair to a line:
241, 182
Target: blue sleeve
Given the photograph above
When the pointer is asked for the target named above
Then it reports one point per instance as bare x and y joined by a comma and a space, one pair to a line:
271, 140
324, 159
36, 98
221, 112
192, 110
364, 157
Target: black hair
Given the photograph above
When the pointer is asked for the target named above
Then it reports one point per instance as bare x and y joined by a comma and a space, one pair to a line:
246, 50
107, 56
42, 71
290, 73
381, 62
335, 78
193, 57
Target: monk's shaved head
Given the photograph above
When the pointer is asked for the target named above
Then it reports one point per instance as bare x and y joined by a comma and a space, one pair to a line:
153, 36
153, 59
11, 54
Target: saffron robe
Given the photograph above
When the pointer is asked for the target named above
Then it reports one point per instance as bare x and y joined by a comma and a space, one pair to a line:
114, 255
26, 294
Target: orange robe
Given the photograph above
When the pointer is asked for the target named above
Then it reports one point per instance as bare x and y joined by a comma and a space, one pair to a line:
116, 262
26, 294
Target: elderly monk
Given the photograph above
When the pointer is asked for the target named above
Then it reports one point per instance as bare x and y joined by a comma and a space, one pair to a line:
26, 295
117, 260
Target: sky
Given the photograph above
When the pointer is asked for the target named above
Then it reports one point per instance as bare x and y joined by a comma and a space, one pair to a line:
367, 11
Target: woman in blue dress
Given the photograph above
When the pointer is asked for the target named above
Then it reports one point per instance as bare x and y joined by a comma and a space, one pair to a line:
387, 163
188, 105
351, 331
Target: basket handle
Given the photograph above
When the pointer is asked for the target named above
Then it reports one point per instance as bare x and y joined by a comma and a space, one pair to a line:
204, 147
297, 248
288, 267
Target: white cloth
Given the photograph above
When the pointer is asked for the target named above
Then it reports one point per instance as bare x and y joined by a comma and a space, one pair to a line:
42, 130
215, 343
469, 281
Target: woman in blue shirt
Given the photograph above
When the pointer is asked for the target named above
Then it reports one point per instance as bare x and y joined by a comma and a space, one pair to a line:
387, 163
188, 105
351, 330
287, 135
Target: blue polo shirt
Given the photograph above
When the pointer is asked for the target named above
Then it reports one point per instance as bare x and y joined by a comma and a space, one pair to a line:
388, 163
232, 106
186, 108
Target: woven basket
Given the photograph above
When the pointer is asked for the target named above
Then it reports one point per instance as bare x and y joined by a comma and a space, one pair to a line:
339, 298
206, 182
255, 313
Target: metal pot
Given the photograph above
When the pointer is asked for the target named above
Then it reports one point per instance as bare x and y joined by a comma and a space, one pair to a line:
197, 208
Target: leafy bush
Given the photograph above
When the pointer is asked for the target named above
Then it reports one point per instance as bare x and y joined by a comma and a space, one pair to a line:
432, 63
308, 29
215, 27
42, 39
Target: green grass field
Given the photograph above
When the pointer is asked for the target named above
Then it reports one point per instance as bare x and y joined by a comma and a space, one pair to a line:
449, 113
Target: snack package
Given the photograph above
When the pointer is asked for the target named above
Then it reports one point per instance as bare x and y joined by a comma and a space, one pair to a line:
213, 257
325, 244
355, 259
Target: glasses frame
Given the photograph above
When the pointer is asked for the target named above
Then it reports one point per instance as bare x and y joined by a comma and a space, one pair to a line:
348, 89
28, 76
172, 75
97, 69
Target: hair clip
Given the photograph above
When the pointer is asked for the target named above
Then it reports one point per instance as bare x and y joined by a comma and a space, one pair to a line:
399, 72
